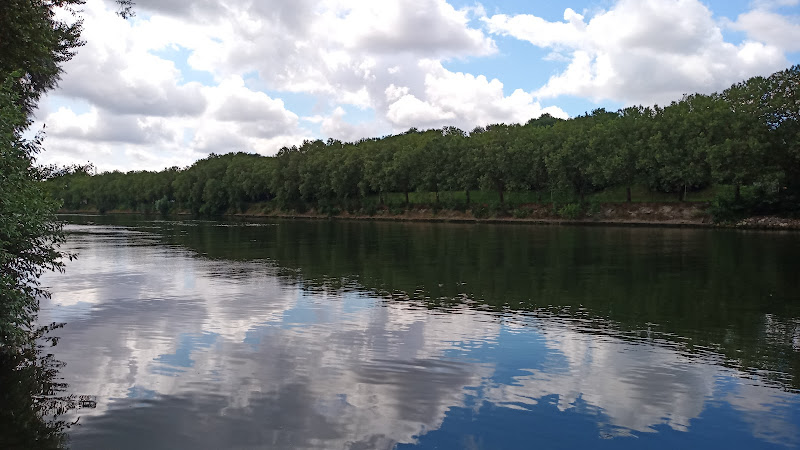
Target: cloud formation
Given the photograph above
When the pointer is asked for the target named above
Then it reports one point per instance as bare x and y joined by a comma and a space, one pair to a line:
249, 351
642, 51
184, 79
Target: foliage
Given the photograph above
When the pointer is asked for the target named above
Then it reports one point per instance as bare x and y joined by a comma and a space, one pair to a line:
33, 45
29, 233
570, 211
31, 391
481, 211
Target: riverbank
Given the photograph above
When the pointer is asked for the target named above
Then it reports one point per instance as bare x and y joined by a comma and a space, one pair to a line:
631, 214
670, 214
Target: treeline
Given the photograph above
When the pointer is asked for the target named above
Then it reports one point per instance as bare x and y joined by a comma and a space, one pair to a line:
747, 138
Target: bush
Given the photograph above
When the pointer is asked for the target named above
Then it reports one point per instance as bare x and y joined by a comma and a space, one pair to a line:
370, 209
520, 213
570, 211
594, 208
163, 205
757, 200
453, 204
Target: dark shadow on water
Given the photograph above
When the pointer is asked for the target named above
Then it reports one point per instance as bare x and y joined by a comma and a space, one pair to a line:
32, 396
728, 292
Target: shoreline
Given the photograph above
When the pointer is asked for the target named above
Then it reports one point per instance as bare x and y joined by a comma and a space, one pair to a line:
627, 215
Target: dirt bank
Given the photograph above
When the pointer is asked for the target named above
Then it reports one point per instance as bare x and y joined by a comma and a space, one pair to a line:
672, 214
658, 214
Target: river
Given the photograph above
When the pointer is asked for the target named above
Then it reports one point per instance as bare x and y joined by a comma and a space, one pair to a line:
361, 335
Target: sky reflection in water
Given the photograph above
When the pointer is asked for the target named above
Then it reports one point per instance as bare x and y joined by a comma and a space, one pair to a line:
187, 351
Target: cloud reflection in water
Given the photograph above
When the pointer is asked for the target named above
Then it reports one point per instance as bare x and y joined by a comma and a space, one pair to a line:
187, 351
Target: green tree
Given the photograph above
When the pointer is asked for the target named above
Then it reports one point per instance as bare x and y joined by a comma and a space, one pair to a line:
495, 158
571, 160
676, 157
529, 156
741, 155
34, 44
782, 116
617, 146
29, 232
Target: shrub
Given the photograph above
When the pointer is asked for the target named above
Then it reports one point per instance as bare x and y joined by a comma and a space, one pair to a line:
520, 213
570, 211
163, 205
481, 211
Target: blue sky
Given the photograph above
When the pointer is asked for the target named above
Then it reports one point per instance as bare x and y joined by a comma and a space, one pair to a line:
184, 79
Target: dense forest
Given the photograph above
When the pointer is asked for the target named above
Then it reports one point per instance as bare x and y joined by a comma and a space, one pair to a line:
744, 142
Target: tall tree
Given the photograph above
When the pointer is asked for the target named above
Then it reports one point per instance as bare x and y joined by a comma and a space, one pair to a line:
783, 118
34, 44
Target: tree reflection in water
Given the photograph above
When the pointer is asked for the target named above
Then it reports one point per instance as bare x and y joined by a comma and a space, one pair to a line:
32, 395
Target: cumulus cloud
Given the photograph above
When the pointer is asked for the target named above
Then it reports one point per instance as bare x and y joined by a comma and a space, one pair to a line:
345, 52
336, 126
641, 51
114, 73
390, 60
392, 27
769, 27
108, 128
460, 99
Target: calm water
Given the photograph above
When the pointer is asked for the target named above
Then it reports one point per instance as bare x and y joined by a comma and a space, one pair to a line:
328, 335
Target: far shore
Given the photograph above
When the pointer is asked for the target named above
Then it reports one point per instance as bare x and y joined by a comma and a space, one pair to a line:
692, 215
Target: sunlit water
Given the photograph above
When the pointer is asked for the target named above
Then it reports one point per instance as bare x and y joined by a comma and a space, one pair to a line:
331, 335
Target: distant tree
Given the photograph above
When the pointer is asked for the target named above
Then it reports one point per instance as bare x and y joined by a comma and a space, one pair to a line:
570, 161
741, 155
676, 157
782, 115
496, 164
617, 147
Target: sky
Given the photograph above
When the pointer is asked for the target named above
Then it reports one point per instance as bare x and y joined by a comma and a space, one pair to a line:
183, 79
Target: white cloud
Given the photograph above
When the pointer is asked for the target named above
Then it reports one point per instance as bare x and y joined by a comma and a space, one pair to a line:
231, 101
770, 4
344, 52
391, 27
114, 73
108, 128
641, 51
462, 100
387, 58
771, 28
337, 127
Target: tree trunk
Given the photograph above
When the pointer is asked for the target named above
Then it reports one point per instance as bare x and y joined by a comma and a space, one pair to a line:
381, 199
406, 198
737, 193
437, 197
502, 200
628, 193
583, 197
467, 192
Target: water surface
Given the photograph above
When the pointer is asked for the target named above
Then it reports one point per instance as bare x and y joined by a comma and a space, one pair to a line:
303, 334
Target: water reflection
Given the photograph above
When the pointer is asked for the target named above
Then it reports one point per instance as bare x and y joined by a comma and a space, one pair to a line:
33, 398
187, 350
